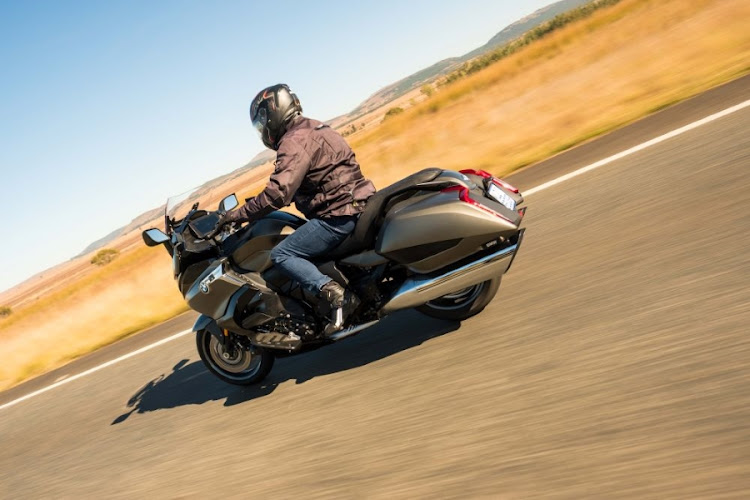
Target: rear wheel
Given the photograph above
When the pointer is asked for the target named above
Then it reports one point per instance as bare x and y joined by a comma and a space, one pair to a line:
235, 363
462, 304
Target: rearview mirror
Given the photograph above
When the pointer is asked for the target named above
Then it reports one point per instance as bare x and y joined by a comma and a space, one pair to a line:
153, 237
228, 203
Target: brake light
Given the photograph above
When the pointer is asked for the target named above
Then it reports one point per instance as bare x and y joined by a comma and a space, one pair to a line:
480, 173
463, 195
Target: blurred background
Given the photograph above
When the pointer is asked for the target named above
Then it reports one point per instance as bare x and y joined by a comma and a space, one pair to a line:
110, 108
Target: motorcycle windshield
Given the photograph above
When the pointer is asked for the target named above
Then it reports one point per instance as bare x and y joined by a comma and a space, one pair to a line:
207, 197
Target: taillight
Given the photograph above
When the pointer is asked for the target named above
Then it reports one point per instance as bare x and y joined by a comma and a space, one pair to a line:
480, 173
487, 175
463, 195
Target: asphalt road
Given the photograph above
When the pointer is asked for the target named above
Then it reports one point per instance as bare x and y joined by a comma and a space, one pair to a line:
615, 362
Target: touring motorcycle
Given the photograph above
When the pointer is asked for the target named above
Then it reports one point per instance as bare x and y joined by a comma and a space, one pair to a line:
438, 240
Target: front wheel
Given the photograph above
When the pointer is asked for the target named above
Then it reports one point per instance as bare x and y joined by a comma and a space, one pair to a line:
462, 304
235, 363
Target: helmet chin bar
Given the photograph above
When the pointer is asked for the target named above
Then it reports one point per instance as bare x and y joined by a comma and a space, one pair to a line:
268, 140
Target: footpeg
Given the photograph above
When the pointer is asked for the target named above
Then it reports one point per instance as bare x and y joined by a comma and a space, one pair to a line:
346, 332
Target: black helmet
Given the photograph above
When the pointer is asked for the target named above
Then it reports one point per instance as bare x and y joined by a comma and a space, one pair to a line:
272, 110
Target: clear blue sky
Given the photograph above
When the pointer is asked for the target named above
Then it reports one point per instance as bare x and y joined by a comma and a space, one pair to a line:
109, 107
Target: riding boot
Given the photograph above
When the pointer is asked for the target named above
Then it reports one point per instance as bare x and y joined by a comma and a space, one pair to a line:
342, 302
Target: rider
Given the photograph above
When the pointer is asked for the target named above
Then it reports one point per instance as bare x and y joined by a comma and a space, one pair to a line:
316, 169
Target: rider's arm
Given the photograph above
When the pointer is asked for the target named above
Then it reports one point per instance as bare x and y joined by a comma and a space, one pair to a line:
292, 164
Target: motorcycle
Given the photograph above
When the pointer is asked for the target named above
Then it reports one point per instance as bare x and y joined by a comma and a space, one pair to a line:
438, 241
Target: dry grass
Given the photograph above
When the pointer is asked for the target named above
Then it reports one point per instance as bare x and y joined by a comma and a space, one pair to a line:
132, 293
590, 77
104, 304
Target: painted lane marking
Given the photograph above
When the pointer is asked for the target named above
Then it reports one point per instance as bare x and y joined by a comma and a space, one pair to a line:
96, 368
635, 149
526, 193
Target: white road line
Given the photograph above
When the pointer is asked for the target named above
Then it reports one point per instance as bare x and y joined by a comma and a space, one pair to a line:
528, 192
96, 368
637, 148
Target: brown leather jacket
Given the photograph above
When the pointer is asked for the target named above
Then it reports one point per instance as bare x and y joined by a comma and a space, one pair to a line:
316, 169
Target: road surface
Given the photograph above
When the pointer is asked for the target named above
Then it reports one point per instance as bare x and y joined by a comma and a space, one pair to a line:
614, 362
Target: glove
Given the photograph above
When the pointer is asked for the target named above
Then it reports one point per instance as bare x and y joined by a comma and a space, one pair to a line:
224, 219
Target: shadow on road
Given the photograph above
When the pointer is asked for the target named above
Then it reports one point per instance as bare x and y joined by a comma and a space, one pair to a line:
192, 384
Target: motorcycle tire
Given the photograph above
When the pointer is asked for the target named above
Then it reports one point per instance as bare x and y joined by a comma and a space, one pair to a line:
239, 366
462, 304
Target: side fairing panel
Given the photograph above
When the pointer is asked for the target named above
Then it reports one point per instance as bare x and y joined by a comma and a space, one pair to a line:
253, 254
211, 292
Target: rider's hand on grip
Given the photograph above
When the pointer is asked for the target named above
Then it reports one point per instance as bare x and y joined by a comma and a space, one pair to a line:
223, 221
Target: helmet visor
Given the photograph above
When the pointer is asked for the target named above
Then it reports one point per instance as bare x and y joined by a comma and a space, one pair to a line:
260, 120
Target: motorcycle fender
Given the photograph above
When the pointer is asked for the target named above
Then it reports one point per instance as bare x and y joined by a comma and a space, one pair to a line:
207, 323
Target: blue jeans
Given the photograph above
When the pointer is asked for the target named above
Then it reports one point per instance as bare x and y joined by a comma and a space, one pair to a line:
314, 238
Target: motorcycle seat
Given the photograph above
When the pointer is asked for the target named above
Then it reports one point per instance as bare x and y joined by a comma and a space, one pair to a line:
368, 224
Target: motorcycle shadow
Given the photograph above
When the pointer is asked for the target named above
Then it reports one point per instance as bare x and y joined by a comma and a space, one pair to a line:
190, 383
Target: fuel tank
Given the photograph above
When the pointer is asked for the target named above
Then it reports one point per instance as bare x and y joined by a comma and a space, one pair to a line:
252, 250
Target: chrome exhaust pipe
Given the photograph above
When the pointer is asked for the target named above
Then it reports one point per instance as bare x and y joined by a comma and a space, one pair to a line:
420, 289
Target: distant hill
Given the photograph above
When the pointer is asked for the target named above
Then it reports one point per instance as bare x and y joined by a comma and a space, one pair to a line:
523, 25
442, 68
147, 217
378, 99
136, 223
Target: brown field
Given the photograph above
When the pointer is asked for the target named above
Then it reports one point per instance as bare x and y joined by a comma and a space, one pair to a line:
591, 77
595, 75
